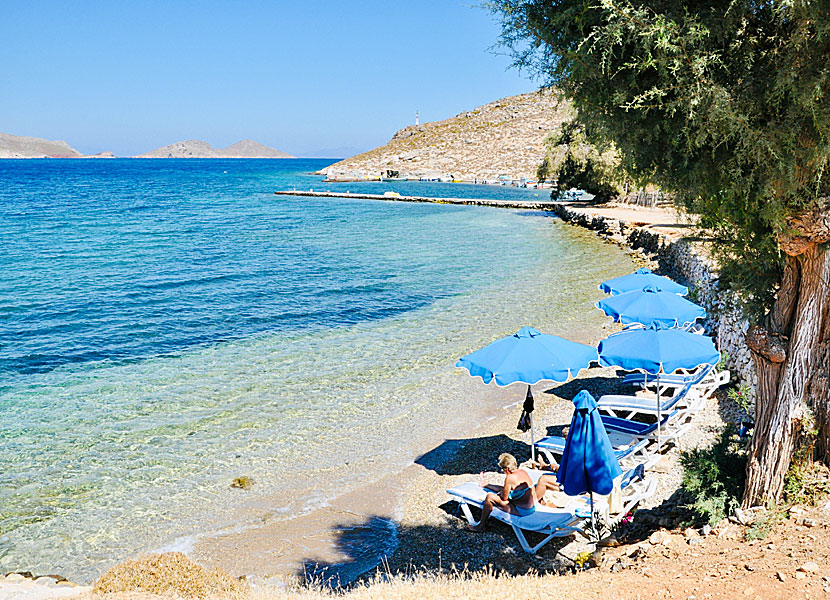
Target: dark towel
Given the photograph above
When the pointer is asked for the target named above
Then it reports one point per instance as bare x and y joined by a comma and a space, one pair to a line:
527, 408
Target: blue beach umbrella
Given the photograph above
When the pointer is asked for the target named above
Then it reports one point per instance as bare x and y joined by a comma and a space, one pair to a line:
655, 350
588, 461
528, 356
651, 305
640, 279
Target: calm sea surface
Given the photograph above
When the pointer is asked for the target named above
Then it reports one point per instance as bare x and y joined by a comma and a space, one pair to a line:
166, 326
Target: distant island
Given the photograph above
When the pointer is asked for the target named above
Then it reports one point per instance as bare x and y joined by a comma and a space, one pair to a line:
18, 146
201, 149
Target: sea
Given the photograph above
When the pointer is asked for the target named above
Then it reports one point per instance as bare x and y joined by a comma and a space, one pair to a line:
168, 326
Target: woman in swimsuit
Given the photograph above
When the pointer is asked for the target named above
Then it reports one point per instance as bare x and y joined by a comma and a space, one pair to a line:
518, 495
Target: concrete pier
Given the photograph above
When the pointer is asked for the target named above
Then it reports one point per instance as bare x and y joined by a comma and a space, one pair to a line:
534, 204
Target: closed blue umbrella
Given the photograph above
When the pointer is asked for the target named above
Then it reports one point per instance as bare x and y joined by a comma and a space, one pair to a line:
528, 356
640, 279
651, 305
657, 350
588, 461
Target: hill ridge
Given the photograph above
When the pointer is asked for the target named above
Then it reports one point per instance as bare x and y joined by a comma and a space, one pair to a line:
503, 137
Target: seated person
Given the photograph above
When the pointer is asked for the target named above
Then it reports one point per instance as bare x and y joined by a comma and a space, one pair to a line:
518, 495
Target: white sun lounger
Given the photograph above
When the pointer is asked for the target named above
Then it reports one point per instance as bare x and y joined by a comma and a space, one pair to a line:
550, 521
629, 454
622, 432
547, 520
692, 396
705, 380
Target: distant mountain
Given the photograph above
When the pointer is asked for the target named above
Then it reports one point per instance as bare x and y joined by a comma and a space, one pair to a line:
251, 149
200, 149
185, 149
18, 146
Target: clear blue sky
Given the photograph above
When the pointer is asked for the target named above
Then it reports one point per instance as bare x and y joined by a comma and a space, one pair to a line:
310, 77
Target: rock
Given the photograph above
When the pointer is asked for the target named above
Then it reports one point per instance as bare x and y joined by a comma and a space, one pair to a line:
749, 591
809, 567
243, 483
658, 537
46, 580
810, 523
780, 576
706, 529
800, 575
15, 578
741, 517
609, 541
696, 541
690, 532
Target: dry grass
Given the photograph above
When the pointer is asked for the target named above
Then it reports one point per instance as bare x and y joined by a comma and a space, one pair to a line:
172, 573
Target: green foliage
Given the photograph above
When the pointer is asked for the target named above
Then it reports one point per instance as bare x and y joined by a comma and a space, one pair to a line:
576, 162
543, 171
724, 102
742, 396
765, 523
724, 361
807, 481
714, 477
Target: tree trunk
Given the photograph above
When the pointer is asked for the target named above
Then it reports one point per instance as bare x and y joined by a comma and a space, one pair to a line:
791, 359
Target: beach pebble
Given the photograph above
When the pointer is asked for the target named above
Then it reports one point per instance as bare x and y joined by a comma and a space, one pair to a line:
809, 567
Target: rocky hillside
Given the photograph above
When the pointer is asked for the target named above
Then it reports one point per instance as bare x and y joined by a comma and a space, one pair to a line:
505, 137
200, 149
18, 146
251, 149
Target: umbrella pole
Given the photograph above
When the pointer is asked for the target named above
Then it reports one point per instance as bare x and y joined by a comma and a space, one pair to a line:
659, 417
532, 437
593, 520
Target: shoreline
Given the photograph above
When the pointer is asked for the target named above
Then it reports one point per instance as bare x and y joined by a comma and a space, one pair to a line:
425, 530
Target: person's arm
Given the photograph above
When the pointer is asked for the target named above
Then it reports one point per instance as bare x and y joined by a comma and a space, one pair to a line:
509, 484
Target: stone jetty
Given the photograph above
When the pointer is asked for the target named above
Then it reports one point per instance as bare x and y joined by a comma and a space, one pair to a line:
531, 204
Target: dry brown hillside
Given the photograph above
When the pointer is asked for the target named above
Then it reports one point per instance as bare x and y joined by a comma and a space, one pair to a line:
505, 137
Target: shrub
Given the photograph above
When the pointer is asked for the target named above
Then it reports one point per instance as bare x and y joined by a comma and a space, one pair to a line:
714, 477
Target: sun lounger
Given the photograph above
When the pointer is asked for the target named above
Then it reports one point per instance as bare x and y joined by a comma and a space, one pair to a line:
624, 431
670, 381
627, 407
692, 396
549, 521
555, 522
635, 453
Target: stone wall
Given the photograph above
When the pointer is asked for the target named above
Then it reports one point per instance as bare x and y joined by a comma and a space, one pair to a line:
688, 263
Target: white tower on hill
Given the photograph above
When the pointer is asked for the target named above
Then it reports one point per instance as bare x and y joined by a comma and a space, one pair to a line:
416, 117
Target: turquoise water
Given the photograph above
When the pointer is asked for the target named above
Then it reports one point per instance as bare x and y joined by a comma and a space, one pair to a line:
166, 326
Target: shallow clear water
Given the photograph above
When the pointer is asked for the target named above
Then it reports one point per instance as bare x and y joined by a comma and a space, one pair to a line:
166, 326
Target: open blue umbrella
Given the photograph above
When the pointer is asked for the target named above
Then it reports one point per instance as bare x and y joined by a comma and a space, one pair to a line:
528, 356
655, 350
588, 461
640, 279
651, 305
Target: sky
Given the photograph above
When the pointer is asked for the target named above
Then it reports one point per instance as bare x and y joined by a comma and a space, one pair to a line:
308, 77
